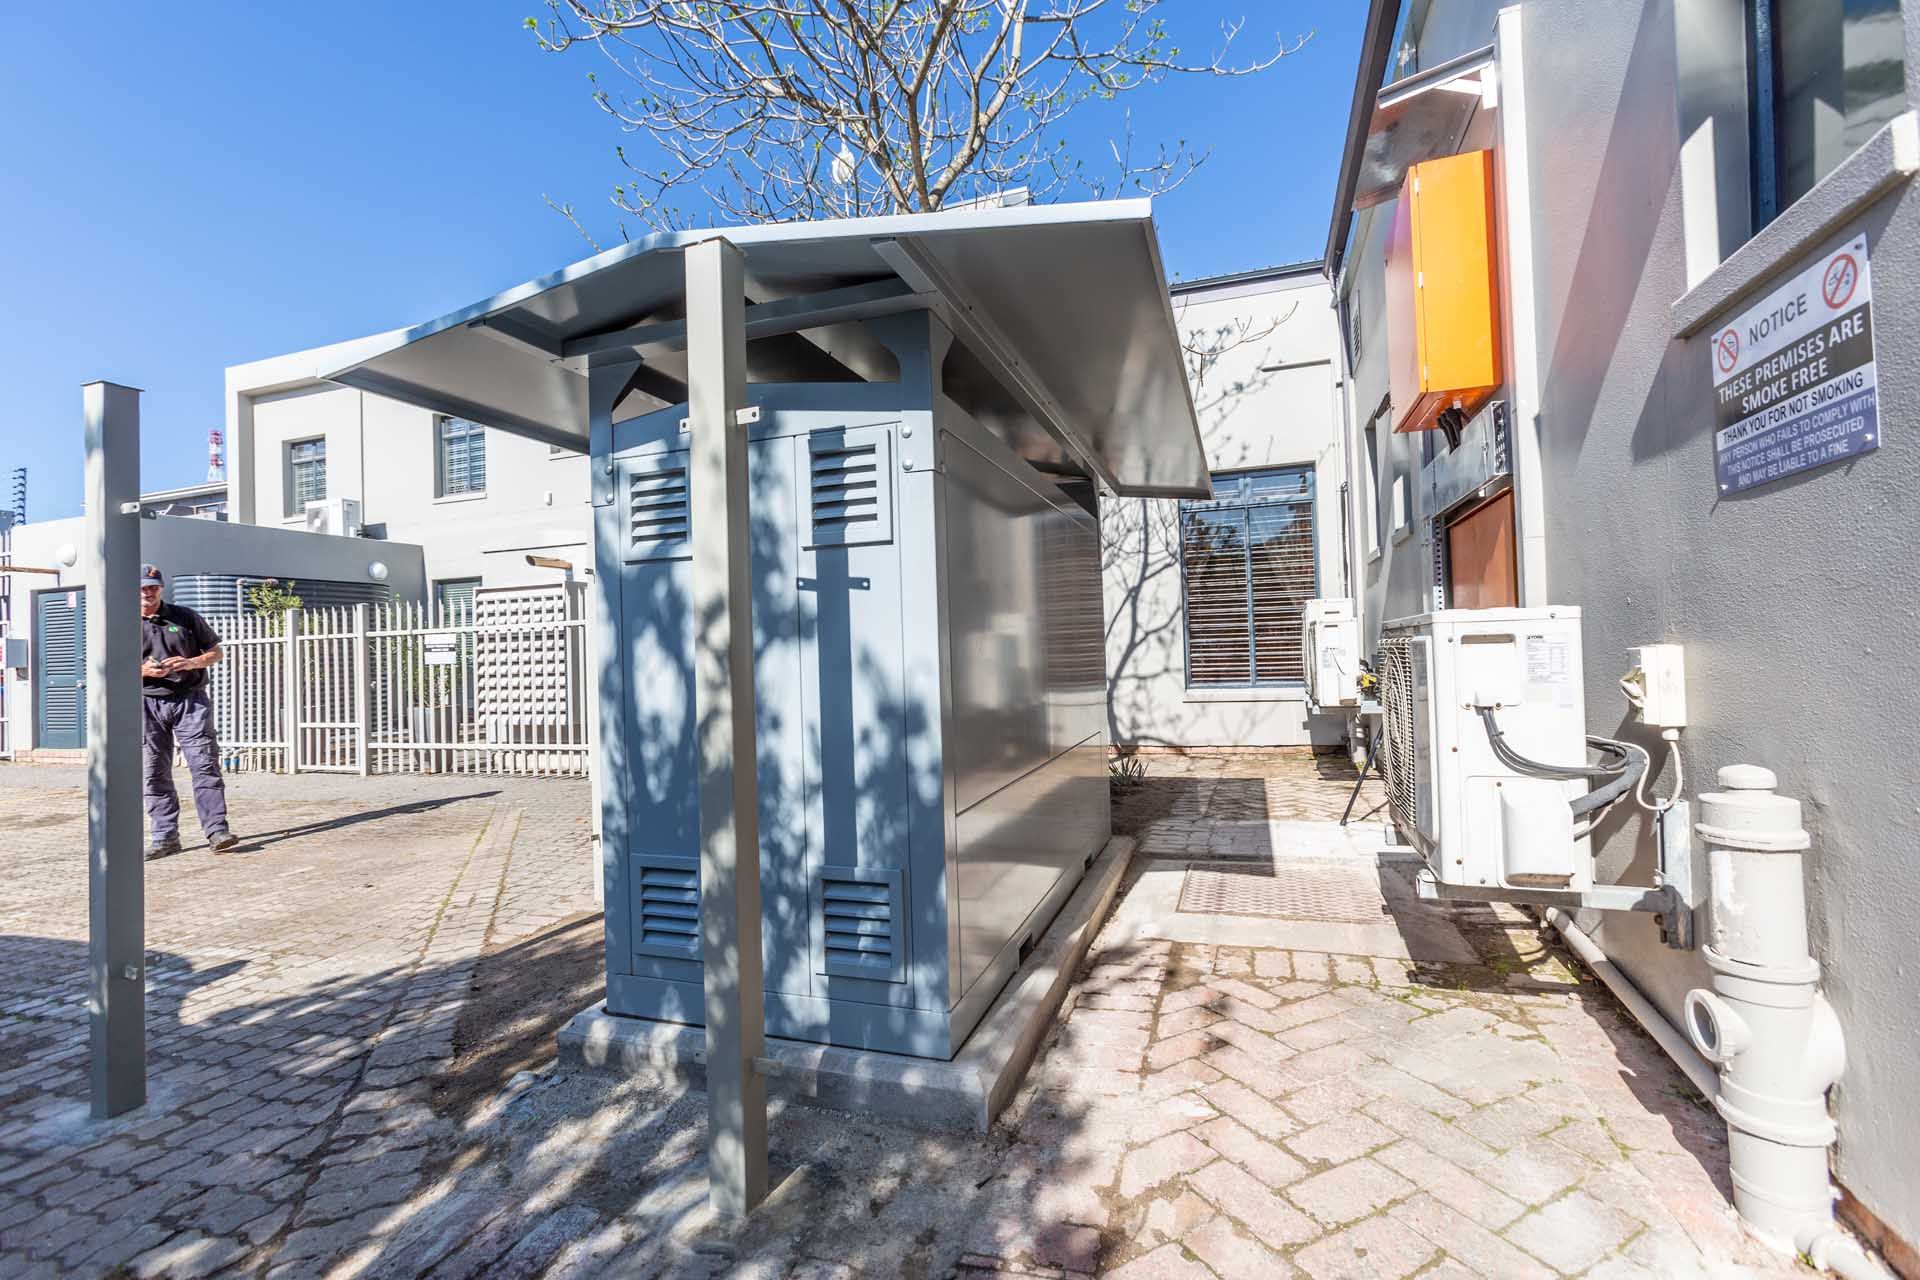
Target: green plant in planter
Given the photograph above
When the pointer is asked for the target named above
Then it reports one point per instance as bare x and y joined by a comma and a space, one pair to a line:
1124, 773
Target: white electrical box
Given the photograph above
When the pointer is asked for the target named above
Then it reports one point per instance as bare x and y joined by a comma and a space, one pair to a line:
1330, 654
1478, 823
1657, 685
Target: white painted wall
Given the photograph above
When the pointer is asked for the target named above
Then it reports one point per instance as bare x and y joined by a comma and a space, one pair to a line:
382, 453
1271, 398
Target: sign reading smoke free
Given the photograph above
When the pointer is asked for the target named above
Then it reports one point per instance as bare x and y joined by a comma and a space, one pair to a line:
1793, 375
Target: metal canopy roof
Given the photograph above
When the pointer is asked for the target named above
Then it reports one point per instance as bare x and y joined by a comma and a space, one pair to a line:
1420, 118
1065, 304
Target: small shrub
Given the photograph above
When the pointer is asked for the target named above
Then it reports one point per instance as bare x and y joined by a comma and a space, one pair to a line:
1124, 773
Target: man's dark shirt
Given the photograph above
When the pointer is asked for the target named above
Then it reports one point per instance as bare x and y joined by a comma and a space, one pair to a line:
174, 632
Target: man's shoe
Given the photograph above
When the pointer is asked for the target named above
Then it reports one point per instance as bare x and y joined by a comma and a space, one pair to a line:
221, 841
162, 849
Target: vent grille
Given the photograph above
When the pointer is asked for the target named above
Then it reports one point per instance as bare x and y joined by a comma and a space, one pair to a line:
669, 911
860, 925
657, 508
1396, 720
849, 486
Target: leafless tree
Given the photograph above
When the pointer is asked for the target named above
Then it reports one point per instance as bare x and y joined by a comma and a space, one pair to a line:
790, 109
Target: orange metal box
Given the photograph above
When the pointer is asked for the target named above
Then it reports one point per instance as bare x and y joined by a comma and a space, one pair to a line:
1443, 308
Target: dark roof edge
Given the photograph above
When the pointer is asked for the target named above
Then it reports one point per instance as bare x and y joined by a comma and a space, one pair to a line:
1376, 47
1286, 271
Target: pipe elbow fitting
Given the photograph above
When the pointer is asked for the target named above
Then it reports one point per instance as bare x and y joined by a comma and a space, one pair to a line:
1826, 1059
1717, 1031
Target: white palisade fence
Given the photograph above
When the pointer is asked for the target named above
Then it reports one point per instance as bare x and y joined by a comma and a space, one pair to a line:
499, 687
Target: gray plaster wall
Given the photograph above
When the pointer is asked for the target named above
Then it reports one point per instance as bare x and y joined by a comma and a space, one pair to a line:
1796, 600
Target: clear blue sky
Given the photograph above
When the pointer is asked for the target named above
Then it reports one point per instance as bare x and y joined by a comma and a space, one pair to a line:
188, 187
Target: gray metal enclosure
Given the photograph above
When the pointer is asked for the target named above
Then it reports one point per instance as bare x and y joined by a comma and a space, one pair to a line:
940, 397
931, 704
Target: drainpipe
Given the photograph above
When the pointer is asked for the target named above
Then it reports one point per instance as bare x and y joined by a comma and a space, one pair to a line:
1764, 1023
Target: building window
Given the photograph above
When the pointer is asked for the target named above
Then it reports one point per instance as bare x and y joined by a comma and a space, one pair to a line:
1824, 77
306, 474
1248, 571
453, 599
461, 456
1371, 505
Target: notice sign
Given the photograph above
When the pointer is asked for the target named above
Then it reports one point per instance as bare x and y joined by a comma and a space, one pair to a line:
439, 649
1793, 375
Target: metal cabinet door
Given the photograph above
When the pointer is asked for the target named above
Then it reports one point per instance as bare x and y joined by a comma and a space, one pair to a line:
656, 629
60, 669
859, 729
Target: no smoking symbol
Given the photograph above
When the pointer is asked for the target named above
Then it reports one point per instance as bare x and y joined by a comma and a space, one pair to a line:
1726, 350
1836, 287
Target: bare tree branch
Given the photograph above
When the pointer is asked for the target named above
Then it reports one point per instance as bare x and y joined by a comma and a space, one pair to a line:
770, 110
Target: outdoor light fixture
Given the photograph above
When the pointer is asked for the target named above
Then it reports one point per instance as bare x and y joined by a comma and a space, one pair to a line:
67, 554
377, 571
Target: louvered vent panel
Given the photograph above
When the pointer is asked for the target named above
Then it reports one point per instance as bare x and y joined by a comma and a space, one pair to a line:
850, 486
669, 910
657, 519
860, 925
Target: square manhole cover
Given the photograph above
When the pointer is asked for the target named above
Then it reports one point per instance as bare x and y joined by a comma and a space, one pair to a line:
1345, 894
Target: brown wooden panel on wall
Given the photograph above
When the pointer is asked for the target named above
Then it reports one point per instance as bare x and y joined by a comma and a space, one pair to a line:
1480, 557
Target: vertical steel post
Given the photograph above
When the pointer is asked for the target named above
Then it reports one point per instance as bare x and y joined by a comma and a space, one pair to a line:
724, 715
116, 870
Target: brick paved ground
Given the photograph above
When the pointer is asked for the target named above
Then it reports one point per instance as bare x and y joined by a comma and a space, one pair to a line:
1217, 1099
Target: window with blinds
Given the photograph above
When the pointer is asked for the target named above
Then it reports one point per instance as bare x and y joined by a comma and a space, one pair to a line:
462, 456
306, 473
1247, 564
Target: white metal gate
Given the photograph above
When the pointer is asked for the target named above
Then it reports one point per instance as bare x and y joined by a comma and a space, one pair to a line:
498, 687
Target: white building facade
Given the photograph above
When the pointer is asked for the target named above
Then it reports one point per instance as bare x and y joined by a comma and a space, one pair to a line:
478, 501
1204, 599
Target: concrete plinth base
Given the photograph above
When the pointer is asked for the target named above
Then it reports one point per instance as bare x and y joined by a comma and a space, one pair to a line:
967, 1092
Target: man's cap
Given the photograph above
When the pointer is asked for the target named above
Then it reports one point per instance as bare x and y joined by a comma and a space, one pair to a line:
150, 575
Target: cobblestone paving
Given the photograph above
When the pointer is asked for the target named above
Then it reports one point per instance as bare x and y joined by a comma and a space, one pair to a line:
1200, 1109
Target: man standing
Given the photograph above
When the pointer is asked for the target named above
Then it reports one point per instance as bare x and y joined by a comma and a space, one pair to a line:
176, 648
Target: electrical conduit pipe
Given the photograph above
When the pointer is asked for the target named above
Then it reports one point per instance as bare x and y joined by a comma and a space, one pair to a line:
1764, 1023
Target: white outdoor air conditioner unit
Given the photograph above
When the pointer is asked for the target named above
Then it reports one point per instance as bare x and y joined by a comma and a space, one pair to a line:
338, 516
1480, 823
1330, 652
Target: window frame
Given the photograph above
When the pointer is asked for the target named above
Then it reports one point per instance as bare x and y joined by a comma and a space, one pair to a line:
1306, 502
1768, 168
295, 505
470, 430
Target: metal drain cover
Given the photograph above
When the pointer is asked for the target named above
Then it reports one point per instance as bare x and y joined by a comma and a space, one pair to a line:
1349, 895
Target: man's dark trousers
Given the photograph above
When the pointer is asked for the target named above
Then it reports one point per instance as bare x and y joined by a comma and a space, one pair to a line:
188, 721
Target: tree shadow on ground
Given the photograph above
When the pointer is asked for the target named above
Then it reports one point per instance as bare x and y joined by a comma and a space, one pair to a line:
292, 1130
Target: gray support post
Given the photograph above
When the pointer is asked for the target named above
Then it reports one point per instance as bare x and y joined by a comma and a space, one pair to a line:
724, 715
116, 870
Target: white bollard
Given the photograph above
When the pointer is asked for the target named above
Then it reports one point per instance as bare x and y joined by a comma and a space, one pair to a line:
1764, 1023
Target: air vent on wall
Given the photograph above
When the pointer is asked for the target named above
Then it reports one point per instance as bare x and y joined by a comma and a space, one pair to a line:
850, 486
860, 924
669, 909
657, 520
